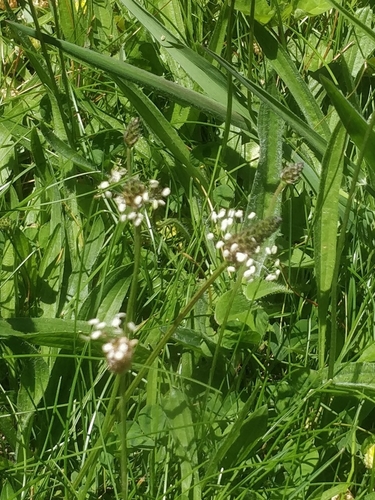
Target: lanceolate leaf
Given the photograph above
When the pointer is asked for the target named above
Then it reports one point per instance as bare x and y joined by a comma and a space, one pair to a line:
52, 332
267, 178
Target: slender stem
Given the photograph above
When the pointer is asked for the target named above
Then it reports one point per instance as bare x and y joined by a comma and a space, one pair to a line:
272, 205
87, 472
176, 323
124, 448
222, 329
229, 81
129, 161
131, 307
89, 464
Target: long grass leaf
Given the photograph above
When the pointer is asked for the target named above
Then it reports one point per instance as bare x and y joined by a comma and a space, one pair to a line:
208, 77
316, 141
287, 71
162, 129
136, 75
325, 228
354, 123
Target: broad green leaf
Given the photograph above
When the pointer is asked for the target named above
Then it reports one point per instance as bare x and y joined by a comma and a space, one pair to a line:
180, 422
241, 439
327, 214
112, 301
152, 420
188, 337
51, 332
136, 439
260, 288
364, 46
263, 12
340, 489
33, 383
8, 283
311, 7
93, 245
354, 377
239, 308
368, 355
7, 490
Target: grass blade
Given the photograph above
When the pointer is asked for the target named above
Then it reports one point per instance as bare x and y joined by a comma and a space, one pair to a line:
287, 71
326, 228
316, 142
141, 77
354, 123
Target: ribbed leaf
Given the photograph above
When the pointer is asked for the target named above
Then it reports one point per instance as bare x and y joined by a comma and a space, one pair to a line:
267, 177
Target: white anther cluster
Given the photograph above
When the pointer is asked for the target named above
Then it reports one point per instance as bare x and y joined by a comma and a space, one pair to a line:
135, 196
117, 347
240, 245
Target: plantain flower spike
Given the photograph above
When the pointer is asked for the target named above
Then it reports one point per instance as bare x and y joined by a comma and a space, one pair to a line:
292, 173
132, 132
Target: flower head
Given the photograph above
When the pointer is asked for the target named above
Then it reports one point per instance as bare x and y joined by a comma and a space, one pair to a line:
132, 132
368, 457
241, 246
134, 197
292, 173
117, 347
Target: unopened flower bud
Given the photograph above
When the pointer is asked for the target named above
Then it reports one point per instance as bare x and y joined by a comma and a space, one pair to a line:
292, 173
132, 132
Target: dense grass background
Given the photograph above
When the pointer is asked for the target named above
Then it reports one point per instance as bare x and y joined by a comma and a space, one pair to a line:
261, 390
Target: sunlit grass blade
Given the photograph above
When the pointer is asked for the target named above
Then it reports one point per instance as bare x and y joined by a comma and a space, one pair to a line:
208, 77
353, 19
